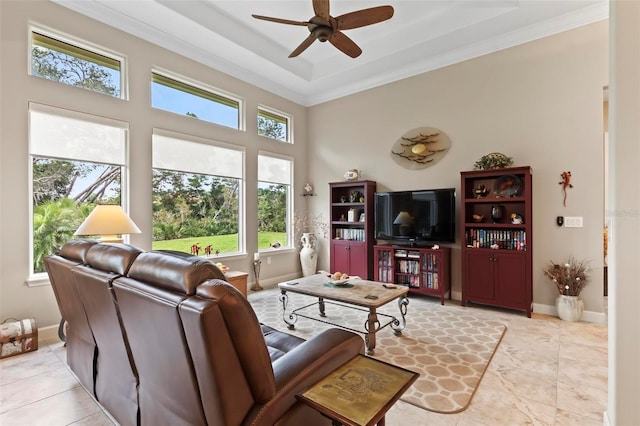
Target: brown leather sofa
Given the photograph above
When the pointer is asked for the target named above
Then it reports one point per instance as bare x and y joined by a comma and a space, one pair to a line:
176, 344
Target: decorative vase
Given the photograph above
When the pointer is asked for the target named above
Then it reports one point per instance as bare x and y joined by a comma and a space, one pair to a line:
352, 174
308, 254
496, 213
570, 308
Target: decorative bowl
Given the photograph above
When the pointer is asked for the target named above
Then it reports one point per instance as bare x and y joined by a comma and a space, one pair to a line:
339, 282
478, 218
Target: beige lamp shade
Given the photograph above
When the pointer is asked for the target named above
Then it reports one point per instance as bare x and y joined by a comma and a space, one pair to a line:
109, 221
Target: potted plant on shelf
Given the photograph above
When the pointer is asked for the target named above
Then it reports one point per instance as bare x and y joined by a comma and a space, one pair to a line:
570, 278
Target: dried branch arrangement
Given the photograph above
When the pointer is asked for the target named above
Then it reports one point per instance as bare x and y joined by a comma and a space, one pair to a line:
569, 278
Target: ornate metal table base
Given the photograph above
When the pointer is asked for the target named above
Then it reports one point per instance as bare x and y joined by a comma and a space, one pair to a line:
371, 326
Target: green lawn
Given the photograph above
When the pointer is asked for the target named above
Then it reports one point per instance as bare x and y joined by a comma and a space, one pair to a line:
223, 243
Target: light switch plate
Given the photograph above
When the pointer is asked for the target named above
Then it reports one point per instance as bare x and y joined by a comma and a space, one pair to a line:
573, 221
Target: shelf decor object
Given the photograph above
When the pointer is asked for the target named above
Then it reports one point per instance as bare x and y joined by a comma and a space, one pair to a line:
494, 160
507, 186
420, 148
308, 191
496, 213
352, 175
496, 257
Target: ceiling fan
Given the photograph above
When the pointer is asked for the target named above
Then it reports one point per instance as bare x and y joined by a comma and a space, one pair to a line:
323, 26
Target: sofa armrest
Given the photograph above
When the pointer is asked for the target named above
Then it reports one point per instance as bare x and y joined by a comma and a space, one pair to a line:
304, 366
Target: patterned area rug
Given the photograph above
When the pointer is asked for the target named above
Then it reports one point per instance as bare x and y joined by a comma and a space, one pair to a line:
448, 347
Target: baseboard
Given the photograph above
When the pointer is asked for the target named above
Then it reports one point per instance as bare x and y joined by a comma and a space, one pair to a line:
587, 316
49, 332
605, 419
274, 281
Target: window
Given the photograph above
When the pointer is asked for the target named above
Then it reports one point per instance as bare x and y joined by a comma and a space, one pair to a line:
274, 200
273, 124
197, 195
195, 100
77, 161
67, 63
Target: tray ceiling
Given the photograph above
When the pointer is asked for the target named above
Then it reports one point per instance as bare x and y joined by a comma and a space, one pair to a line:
421, 36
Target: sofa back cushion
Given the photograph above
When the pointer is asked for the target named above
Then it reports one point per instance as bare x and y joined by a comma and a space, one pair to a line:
149, 298
116, 258
81, 348
174, 271
116, 380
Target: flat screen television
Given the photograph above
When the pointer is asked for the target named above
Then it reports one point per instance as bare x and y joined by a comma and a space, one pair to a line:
416, 218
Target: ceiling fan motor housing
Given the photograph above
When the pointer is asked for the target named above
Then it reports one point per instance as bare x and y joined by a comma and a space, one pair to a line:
322, 33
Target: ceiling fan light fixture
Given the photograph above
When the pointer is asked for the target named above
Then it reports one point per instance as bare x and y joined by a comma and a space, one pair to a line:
322, 34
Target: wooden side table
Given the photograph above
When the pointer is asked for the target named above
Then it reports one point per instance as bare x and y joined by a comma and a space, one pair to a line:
238, 280
360, 392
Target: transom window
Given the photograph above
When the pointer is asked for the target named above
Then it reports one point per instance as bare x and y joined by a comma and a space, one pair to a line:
197, 195
274, 124
77, 161
69, 63
194, 100
274, 200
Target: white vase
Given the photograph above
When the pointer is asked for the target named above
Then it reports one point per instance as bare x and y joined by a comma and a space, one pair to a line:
308, 254
570, 308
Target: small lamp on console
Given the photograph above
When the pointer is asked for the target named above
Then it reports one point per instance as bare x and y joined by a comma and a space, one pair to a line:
109, 221
404, 219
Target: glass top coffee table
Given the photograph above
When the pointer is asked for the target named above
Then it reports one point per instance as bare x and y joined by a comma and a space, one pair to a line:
360, 392
357, 294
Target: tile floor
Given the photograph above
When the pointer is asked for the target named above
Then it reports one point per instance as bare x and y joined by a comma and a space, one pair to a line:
545, 372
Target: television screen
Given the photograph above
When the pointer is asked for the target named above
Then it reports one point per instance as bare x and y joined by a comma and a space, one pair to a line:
415, 217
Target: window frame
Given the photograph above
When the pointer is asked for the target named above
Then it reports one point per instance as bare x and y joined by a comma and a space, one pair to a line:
242, 236
198, 88
276, 115
290, 244
41, 278
94, 51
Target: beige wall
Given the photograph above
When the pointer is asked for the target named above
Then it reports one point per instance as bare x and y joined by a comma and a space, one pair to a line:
540, 103
18, 89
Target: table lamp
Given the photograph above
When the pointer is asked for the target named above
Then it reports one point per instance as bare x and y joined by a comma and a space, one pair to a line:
109, 221
403, 219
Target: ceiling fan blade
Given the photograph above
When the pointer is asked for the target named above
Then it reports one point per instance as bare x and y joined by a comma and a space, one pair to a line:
303, 46
281, 21
361, 18
345, 44
321, 8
